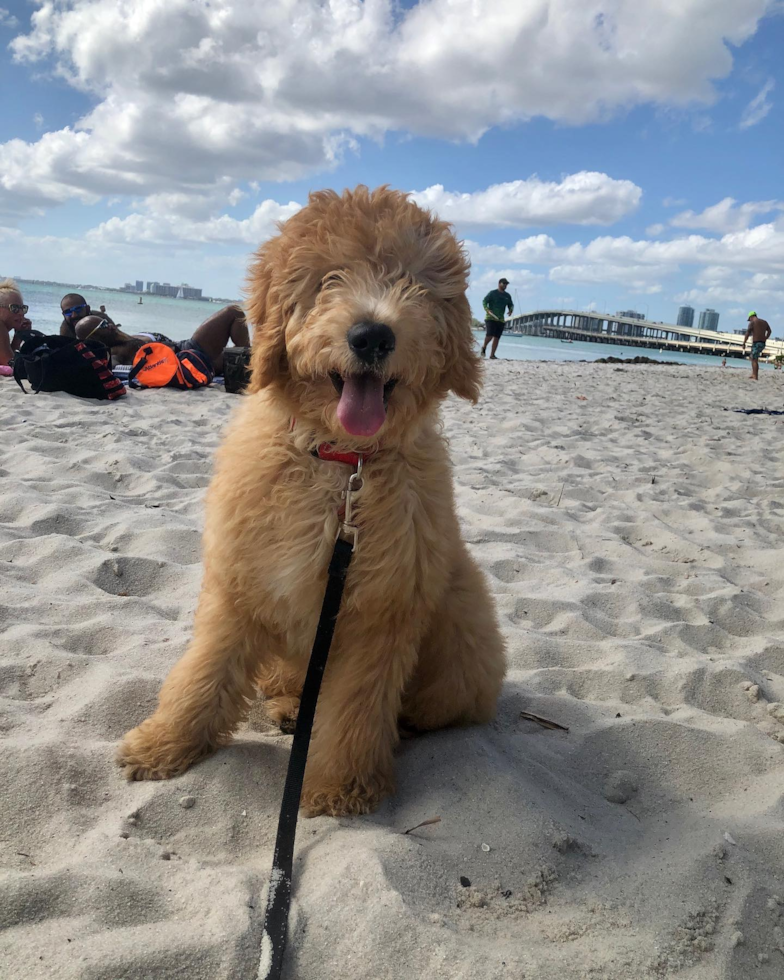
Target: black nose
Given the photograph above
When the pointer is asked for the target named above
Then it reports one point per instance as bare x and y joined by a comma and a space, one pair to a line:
371, 342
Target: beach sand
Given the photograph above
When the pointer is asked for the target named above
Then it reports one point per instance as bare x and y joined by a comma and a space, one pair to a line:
631, 531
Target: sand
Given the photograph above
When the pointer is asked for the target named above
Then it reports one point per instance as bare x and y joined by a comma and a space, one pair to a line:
631, 531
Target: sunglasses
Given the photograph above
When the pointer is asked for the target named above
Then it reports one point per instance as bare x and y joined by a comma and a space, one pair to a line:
16, 308
74, 309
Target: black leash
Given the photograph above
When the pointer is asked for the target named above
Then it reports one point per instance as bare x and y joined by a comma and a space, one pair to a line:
276, 916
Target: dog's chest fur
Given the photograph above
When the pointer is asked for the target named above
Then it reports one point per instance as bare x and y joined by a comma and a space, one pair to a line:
279, 518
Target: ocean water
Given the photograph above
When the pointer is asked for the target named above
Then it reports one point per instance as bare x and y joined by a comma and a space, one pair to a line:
178, 318
550, 349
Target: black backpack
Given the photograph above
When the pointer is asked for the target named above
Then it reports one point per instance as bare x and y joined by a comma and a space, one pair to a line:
78, 367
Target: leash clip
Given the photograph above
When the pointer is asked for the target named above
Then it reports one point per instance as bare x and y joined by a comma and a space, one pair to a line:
347, 530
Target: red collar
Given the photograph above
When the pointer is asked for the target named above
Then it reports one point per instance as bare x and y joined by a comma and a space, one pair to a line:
326, 452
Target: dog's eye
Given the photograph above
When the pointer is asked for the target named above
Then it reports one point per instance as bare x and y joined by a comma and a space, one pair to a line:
328, 280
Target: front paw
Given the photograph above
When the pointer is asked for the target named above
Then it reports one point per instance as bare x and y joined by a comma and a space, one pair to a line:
152, 751
347, 799
283, 711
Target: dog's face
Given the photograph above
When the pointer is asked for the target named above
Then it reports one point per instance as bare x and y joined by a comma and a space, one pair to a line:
360, 316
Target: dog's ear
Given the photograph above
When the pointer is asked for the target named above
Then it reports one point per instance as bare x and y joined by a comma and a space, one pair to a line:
266, 315
463, 371
442, 266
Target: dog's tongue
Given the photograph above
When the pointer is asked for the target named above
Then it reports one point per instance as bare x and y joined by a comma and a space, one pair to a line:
361, 409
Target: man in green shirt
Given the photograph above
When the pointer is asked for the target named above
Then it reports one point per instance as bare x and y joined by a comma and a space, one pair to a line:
496, 303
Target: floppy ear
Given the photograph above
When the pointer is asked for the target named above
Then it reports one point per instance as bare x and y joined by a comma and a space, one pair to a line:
266, 315
442, 268
463, 372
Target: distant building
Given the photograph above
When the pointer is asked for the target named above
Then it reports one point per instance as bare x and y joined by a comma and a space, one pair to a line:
139, 286
709, 320
631, 314
183, 291
162, 289
686, 316
128, 287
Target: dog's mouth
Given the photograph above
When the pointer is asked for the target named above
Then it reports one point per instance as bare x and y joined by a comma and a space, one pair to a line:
362, 408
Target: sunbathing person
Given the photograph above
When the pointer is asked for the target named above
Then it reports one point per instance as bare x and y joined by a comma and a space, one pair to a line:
210, 339
13, 319
74, 308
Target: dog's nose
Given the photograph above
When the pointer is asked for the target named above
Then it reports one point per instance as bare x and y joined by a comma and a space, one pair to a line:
371, 342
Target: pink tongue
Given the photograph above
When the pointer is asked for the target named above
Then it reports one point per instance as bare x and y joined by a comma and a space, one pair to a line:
361, 409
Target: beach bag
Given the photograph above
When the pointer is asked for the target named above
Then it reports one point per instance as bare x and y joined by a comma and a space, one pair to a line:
158, 366
78, 367
236, 369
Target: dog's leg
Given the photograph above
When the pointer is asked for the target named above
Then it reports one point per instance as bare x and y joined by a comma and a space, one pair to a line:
281, 684
203, 699
461, 662
351, 766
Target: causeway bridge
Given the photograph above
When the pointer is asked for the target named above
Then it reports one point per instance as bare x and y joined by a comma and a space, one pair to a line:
604, 328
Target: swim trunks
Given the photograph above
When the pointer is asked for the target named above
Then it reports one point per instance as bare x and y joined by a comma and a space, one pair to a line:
756, 349
494, 328
192, 345
156, 338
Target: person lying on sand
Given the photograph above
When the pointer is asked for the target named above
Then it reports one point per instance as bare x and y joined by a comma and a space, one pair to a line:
74, 308
210, 339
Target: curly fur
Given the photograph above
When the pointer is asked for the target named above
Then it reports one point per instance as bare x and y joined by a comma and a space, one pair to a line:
417, 641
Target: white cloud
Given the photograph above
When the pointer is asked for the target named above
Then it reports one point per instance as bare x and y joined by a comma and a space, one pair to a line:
161, 226
520, 280
583, 198
640, 278
754, 291
7, 19
759, 106
726, 216
256, 90
654, 230
673, 202
176, 216
38, 119
642, 265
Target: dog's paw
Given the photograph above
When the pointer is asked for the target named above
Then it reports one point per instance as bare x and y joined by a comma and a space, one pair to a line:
348, 800
150, 752
283, 711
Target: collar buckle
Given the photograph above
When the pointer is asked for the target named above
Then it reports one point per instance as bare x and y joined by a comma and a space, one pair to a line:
347, 529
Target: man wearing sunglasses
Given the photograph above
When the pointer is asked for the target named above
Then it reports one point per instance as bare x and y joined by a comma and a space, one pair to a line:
74, 308
13, 317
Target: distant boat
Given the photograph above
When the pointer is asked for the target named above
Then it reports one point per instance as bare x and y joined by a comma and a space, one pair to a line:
567, 341
140, 301
180, 293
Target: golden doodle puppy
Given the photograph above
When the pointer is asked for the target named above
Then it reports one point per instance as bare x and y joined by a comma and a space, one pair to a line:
362, 327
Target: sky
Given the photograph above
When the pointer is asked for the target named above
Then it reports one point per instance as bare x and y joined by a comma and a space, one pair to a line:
600, 154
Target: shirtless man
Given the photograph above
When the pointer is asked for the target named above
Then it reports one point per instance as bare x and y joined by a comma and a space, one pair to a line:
74, 308
759, 331
211, 338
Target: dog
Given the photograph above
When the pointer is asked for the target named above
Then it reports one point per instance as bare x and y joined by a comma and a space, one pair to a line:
362, 328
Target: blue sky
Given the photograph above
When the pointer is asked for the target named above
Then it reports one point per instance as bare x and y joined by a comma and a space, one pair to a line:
605, 155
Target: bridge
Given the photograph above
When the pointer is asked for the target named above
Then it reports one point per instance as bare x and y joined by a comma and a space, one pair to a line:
603, 328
